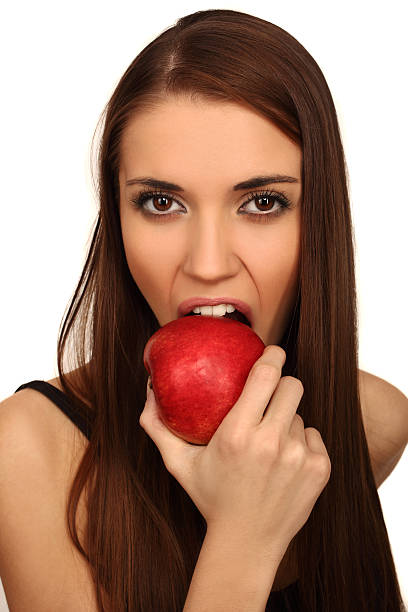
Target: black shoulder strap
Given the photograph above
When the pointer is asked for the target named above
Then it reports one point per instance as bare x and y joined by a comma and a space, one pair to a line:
61, 400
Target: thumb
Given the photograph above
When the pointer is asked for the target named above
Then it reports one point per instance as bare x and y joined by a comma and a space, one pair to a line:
172, 448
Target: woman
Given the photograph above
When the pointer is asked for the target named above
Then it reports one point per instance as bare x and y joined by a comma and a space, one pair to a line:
218, 99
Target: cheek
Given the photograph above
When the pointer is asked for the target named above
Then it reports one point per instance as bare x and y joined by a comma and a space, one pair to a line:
148, 259
276, 260
277, 272
277, 281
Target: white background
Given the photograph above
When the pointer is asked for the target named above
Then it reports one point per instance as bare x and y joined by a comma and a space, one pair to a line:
60, 64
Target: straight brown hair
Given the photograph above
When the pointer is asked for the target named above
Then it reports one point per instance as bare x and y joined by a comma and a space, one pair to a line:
144, 533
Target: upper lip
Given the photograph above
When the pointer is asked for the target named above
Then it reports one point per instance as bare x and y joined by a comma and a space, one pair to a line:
189, 305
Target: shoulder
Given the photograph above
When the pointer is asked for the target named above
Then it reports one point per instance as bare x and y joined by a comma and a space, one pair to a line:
384, 406
385, 417
39, 443
39, 439
30, 418
40, 452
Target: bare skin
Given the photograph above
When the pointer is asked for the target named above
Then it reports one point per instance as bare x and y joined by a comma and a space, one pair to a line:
207, 248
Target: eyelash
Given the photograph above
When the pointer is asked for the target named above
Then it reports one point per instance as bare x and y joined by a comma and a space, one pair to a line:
283, 201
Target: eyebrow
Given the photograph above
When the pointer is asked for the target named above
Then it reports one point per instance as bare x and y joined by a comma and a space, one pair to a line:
252, 183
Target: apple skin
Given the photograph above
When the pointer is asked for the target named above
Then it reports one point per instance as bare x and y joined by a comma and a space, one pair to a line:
198, 367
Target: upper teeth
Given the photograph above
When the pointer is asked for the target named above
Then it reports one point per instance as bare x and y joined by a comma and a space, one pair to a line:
215, 311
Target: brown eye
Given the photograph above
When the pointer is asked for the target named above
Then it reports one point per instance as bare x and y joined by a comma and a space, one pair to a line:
264, 202
270, 204
160, 204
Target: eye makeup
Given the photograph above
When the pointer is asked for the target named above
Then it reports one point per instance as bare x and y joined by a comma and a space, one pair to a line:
274, 199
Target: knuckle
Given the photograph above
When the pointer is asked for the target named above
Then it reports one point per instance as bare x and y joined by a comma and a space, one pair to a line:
233, 443
277, 350
295, 383
267, 449
295, 454
315, 433
321, 466
265, 371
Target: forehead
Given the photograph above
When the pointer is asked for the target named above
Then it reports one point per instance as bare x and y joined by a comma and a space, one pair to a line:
210, 139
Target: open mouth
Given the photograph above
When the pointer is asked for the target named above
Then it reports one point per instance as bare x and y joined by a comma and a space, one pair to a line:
236, 315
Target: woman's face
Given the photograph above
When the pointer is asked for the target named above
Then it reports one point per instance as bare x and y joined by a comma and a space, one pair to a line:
198, 241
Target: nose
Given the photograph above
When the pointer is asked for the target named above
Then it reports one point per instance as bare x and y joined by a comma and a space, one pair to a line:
210, 252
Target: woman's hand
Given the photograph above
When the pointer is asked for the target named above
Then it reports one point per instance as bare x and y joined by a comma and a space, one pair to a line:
262, 471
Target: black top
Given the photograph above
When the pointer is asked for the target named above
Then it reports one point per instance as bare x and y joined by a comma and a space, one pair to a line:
61, 400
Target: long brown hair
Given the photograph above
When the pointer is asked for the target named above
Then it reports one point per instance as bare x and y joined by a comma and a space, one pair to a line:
144, 533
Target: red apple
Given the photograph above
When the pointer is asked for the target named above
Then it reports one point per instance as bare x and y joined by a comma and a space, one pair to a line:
198, 367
